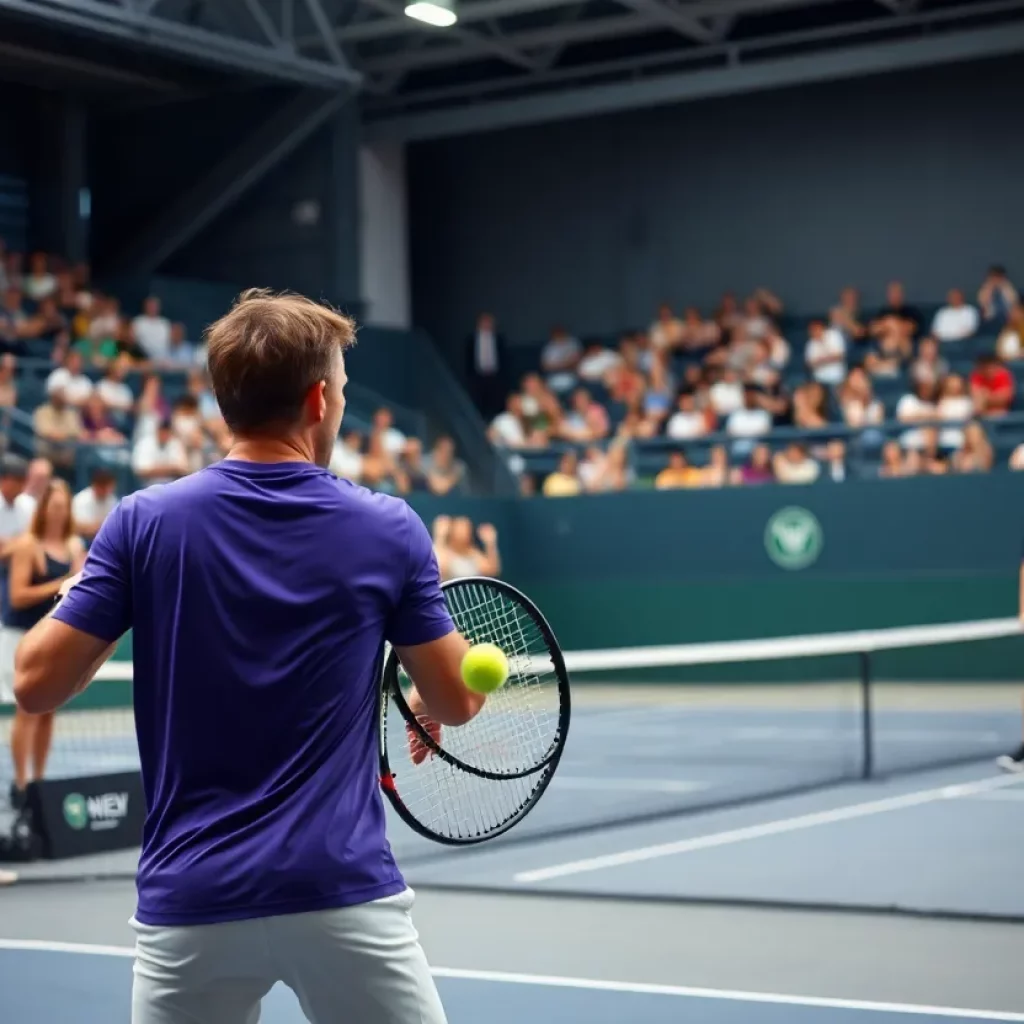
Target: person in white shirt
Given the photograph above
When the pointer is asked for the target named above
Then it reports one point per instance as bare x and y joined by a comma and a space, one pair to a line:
152, 331
597, 362
726, 394
559, 359
688, 422
485, 351
70, 379
347, 457
116, 394
91, 506
391, 437
956, 320
956, 406
39, 283
667, 331
858, 402
917, 406
750, 420
159, 457
825, 354
794, 466
506, 429
16, 512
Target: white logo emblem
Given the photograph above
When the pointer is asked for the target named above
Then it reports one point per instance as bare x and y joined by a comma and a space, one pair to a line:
793, 538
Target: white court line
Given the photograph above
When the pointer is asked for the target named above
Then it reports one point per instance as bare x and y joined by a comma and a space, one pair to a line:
768, 828
599, 784
1007, 795
594, 985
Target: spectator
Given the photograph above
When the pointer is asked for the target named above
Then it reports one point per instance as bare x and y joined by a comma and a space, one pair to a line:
678, 473
857, 401
956, 321
624, 381
810, 406
14, 323
894, 462
750, 420
591, 467
49, 325
392, 438
206, 400
105, 319
846, 316
929, 458
992, 387
564, 482
16, 508
997, 295
725, 396
70, 379
657, 400
347, 457
180, 351
98, 426
597, 362
559, 359
485, 361
152, 408
13, 270
1017, 458
897, 315
699, 334
96, 351
507, 429
381, 470
159, 457
929, 365
754, 322
917, 406
458, 556
716, 472
8, 385
727, 316
1010, 345
116, 395
445, 473
93, 504
954, 406
37, 478
758, 470
890, 351
586, 421
794, 466
39, 283
610, 471
835, 457
825, 354
413, 468
152, 331
687, 422
975, 456
58, 426
188, 428
667, 332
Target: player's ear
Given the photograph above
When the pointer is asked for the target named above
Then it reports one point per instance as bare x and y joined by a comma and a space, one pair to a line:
316, 401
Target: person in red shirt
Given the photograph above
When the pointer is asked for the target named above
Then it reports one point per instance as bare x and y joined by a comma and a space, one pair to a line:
992, 387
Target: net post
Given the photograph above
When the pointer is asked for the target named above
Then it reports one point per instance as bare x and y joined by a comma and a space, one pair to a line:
867, 717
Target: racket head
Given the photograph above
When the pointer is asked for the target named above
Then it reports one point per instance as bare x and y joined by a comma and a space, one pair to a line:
484, 777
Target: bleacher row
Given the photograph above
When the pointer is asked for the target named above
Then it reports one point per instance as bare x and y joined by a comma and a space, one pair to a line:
863, 446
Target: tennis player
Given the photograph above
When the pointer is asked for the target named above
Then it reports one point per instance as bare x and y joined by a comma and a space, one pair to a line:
260, 592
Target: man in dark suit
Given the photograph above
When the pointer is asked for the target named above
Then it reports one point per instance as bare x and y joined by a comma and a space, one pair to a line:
485, 360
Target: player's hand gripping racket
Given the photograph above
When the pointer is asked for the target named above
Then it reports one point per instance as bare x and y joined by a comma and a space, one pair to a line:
465, 784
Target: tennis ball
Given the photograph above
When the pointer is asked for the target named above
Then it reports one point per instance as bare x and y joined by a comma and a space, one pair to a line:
484, 668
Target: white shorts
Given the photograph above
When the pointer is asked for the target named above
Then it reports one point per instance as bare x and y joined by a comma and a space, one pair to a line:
360, 964
9, 640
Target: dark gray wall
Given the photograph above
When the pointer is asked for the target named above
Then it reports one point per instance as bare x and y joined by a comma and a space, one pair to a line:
595, 222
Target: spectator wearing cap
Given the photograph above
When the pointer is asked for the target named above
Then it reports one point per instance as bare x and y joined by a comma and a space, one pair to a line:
152, 331
956, 321
485, 361
992, 387
159, 457
94, 503
997, 295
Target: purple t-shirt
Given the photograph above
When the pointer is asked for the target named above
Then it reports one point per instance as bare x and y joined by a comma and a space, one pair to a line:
260, 596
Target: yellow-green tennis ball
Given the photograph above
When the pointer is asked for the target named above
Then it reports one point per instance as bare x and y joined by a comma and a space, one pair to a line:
484, 668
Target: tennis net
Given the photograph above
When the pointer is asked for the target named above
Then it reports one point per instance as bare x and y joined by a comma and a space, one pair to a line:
659, 731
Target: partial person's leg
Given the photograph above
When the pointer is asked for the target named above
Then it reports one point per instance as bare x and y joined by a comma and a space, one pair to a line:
21, 744
362, 964
203, 974
42, 740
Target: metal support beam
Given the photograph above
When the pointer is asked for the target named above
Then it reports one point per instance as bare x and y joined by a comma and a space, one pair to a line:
227, 181
138, 27
672, 17
326, 30
262, 19
850, 62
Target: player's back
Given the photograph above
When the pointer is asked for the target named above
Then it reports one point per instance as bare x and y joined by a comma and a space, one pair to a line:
262, 594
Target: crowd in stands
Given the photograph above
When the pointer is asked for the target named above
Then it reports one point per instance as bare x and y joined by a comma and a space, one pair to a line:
91, 375
714, 393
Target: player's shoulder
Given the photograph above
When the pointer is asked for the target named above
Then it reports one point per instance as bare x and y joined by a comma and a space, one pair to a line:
381, 511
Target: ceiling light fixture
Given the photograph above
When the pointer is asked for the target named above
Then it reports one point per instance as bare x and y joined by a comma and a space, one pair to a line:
440, 13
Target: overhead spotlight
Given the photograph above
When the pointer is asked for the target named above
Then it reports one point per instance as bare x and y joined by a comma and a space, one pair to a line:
440, 13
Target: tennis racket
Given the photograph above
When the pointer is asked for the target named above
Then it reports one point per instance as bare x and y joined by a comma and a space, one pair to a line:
478, 780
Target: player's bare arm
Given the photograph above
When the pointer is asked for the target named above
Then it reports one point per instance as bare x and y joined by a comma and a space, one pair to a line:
435, 669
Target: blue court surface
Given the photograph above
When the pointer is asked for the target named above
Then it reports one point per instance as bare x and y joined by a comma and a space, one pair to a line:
91, 985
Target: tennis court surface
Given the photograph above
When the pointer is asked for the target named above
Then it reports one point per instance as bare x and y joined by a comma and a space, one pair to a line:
778, 838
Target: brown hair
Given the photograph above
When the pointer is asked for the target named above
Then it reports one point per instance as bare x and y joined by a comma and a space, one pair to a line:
38, 526
267, 352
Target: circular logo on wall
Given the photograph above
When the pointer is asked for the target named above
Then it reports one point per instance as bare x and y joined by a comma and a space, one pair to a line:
76, 813
793, 538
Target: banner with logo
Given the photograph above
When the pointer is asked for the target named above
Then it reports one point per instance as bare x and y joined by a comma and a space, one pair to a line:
76, 817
